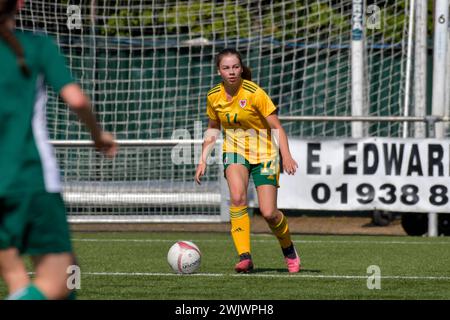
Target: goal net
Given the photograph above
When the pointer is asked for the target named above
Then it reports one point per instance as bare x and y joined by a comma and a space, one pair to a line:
147, 66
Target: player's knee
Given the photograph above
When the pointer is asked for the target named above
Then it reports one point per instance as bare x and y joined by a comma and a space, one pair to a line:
60, 293
54, 289
238, 199
270, 214
11, 265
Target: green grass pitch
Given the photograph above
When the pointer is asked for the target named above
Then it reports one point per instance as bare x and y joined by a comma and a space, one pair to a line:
133, 266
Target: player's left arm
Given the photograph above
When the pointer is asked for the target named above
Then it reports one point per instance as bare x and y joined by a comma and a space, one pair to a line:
289, 164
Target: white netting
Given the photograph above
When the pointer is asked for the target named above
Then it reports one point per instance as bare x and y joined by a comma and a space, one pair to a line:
148, 65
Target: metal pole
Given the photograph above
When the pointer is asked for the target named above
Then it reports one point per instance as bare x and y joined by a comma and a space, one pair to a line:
420, 67
175, 142
439, 75
93, 53
408, 67
432, 216
127, 143
357, 66
447, 80
356, 118
439, 63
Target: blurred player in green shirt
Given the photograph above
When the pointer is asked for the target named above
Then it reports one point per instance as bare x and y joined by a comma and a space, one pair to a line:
32, 214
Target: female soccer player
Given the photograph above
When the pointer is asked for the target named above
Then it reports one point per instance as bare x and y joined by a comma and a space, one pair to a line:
32, 213
250, 122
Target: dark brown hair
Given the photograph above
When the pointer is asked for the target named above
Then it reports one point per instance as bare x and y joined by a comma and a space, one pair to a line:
246, 72
7, 11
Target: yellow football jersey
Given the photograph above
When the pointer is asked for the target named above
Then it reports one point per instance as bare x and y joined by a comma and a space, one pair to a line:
243, 119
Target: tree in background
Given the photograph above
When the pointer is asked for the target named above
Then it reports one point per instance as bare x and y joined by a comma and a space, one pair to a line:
217, 20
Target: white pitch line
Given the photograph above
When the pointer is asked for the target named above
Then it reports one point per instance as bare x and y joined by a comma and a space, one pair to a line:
262, 240
256, 275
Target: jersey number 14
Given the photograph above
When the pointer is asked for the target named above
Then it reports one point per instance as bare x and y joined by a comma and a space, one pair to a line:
235, 121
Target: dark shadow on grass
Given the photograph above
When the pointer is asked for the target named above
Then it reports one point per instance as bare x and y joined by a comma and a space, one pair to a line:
310, 271
370, 225
282, 270
266, 270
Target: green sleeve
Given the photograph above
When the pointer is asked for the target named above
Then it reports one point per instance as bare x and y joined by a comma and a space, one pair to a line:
54, 66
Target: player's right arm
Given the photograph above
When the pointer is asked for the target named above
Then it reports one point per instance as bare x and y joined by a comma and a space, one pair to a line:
211, 135
81, 105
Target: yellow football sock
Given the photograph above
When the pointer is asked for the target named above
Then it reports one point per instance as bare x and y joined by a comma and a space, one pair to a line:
240, 229
281, 231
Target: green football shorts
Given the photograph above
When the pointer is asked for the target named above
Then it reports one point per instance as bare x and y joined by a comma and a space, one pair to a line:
262, 173
34, 223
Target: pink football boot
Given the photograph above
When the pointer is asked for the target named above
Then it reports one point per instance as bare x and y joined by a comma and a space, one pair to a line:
244, 266
294, 264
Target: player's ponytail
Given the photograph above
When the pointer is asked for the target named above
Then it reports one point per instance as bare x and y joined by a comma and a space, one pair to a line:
7, 10
246, 72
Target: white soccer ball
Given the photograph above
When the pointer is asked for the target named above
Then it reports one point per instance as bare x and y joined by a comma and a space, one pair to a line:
184, 257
